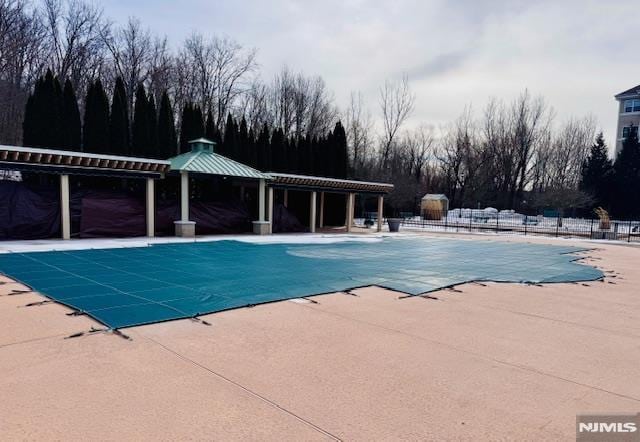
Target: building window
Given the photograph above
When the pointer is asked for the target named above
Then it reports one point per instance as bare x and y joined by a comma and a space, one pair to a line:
626, 131
632, 105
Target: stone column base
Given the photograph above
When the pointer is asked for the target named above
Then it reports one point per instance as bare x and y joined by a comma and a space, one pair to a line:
185, 229
261, 227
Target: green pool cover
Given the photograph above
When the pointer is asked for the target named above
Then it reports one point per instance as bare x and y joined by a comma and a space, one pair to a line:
133, 286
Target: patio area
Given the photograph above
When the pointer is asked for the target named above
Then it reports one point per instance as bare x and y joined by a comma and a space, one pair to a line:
499, 361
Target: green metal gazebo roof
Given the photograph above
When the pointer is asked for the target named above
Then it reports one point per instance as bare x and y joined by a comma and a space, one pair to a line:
202, 159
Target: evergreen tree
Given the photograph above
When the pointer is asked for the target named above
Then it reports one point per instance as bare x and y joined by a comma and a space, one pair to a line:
278, 154
627, 177
166, 129
340, 152
152, 125
141, 138
95, 134
42, 124
71, 125
230, 141
292, 156
119, 121
326, 156
191, 127
28, 122
243, 142
210, 129
55, 115
263, 151
597, 172
185, 127
304, 156
252, 156
198, 123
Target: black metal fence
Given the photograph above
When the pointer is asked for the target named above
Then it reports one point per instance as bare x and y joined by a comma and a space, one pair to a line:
479, 221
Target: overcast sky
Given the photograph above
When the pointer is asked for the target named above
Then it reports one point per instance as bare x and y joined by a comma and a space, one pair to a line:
578, 54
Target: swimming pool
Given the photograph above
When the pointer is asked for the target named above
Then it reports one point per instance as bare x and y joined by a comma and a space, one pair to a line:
126, 287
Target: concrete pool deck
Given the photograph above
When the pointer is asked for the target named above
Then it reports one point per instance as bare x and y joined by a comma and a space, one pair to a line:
496, 361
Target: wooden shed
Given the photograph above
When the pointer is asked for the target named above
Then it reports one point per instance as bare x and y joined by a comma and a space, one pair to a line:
434, 206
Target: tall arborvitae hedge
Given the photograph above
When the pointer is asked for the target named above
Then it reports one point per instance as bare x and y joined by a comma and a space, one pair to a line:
95, 134
119, 121
167, 142
52, 120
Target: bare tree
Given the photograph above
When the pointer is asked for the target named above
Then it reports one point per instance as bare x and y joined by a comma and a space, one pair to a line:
530, 119
359, 127
397, 103
458, 156
567, 153
214, 73
74, 34
301, 105
22, 59
130, 49
161, 68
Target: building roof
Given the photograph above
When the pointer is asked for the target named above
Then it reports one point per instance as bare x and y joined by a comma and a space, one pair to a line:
210, 163
285, 180
435, 196
80, 163
629, 92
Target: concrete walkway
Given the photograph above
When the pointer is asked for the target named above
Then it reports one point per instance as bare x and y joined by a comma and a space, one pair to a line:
494, 361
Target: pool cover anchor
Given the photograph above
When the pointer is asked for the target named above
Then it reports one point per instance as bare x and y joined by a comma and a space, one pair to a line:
118, 333
92, 331
37, 303
200, 320
15, 292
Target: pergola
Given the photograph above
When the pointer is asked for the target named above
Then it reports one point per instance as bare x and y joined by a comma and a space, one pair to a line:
201, 160
66, 163
314, 184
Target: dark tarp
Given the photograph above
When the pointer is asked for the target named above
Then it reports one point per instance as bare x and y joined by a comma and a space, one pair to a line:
120, 215
33, 212
112, 215
28, 212
286, 221
211, 217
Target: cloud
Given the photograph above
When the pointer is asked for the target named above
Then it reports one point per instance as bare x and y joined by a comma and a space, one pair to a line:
440, 64
577, 53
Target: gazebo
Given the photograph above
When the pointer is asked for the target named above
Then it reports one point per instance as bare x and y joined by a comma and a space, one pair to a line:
202, 160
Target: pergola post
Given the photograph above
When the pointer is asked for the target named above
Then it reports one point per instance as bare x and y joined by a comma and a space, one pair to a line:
184, 227
380, 210
261, 188
321, 221
261, 227
312, 212
270, 209
64, 207
184, 196
151, 208
349, 215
